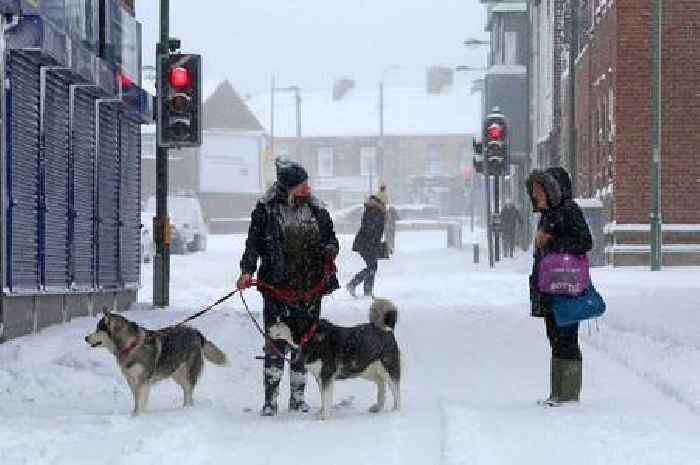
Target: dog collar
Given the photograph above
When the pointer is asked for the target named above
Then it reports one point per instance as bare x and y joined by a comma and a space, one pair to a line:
130, 347
307, 337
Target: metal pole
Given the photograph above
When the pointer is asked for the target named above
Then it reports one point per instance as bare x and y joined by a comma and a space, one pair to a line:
573, 52
297, 99
380, 153
497, 211
656, 127
489, 237
471, 203
272, 117
161, 261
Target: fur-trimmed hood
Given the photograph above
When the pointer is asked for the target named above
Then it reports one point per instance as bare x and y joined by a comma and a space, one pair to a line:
551, 187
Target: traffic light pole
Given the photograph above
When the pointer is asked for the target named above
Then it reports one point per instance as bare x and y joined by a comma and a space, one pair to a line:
161, 261
497, 212
489, 217
656, 236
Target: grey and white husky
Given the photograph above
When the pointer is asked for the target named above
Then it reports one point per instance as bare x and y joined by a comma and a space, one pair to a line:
146, 357
331, 352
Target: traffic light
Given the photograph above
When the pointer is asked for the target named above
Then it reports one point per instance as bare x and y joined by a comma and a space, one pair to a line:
478, 156
179, 122
496, 142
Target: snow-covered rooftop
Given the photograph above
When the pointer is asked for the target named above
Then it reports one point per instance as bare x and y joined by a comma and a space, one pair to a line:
407, 111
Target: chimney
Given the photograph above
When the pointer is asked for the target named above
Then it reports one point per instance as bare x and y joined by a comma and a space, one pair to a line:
438, 78
341, 87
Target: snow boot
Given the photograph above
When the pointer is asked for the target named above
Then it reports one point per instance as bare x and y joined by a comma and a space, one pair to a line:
570, 383
297, 386
350, 287
566, 377
554, 382
272, 375
368, 286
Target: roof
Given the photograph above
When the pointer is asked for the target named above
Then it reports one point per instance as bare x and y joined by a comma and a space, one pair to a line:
407, 111
224, 109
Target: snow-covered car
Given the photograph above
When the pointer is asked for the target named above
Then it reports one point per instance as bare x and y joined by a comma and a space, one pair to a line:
189, 230
148, 249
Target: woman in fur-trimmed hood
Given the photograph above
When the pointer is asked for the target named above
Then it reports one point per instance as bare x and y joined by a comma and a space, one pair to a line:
368, 243
561, 229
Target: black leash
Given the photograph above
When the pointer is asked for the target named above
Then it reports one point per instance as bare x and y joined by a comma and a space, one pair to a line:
206, 309
269, 343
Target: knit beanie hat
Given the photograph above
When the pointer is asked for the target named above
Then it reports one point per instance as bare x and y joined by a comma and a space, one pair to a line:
290, 173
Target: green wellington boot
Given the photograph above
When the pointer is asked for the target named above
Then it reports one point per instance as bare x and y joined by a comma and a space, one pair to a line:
566, 382
571, 378
554, 383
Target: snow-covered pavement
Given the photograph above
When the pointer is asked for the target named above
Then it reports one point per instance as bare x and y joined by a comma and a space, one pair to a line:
474, 363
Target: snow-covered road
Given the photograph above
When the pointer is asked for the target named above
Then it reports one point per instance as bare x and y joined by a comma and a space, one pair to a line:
474, 364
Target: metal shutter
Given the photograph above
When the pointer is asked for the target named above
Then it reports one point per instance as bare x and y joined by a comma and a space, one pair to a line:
84, 194
130, 199
56, 158
108, 185
22, 128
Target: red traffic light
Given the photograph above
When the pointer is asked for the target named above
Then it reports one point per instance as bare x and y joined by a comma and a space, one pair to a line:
495, 132
180, 77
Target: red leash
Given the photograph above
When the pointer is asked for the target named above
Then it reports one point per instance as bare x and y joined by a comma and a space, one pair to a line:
291, 296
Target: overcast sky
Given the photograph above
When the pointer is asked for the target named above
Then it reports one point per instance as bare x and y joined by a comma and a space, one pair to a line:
312, 42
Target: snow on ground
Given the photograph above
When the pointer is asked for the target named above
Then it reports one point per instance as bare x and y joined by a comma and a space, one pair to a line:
474, 363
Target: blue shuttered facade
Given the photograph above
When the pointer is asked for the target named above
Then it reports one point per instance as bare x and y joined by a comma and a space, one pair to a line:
83, 252
55, 158
70, 170
22, 172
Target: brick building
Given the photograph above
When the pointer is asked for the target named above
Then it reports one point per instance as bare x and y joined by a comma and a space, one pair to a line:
613, 125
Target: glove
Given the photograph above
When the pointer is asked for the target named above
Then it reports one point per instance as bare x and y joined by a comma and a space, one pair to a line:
542, 238
244, 281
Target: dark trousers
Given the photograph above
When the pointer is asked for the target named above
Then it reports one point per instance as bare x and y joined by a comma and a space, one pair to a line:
508, 245
366, 276
564, 340
275, 311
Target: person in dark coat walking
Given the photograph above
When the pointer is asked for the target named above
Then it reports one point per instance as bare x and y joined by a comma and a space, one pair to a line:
292, 235
368, 243
561, 229
510, 220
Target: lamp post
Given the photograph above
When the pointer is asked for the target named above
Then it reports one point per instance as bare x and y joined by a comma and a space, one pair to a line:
297, 101
379, 159
656, 126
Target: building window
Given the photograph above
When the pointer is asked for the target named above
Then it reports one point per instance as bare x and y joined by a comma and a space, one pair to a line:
434, 161
511, 48
368, 161
325, 161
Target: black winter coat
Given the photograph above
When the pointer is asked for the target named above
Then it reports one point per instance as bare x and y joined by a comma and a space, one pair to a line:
564, 221
265, 241
368, 239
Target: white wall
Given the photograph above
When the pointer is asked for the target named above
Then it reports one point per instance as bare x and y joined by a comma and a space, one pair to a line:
230, 163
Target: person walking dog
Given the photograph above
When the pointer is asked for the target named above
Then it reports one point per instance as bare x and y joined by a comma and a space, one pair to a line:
561, 229
292, 235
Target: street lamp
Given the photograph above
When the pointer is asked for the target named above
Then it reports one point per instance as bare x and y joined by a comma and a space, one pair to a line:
297, 99
379, 161
473, 42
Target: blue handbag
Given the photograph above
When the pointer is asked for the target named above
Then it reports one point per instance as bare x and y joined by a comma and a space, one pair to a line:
572, 309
